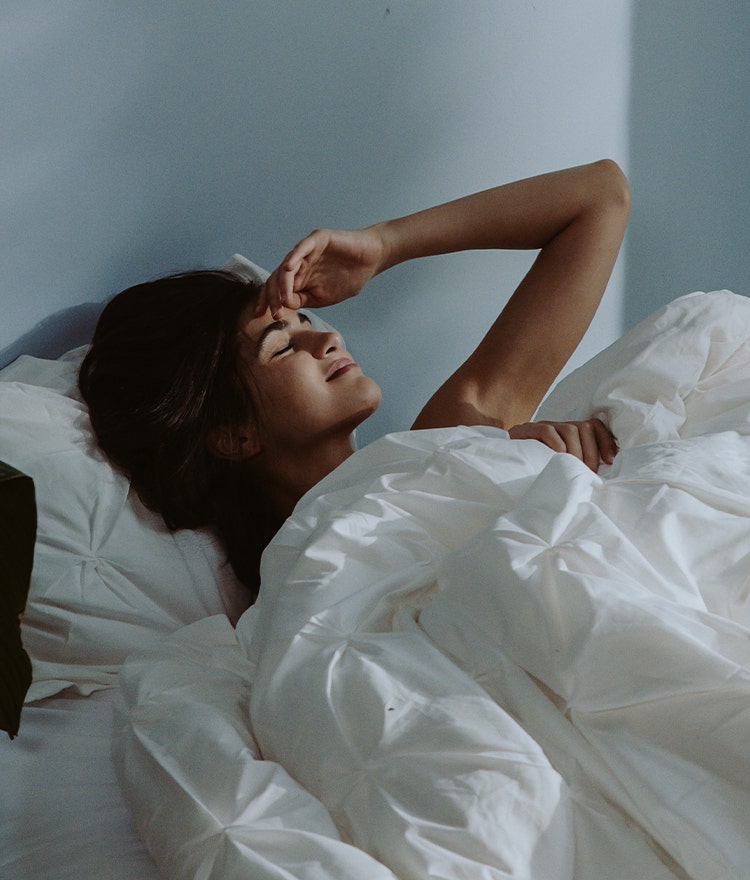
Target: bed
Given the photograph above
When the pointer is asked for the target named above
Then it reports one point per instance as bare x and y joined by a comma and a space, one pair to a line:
107, 577
471, 657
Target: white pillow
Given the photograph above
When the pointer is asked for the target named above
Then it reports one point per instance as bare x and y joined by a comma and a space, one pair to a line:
108, 576
246, 269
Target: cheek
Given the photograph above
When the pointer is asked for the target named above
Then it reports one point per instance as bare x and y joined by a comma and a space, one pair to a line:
272, 387
288, 398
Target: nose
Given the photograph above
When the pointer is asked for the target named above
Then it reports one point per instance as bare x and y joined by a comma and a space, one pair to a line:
325, 342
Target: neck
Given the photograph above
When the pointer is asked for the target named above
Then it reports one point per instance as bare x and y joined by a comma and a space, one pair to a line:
288, 474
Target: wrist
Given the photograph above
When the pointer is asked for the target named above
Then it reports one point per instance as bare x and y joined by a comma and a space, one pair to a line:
387, 245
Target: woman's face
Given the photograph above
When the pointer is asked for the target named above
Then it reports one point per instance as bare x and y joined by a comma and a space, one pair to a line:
306, 385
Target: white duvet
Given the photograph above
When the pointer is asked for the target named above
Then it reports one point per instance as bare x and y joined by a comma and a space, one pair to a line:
475, 658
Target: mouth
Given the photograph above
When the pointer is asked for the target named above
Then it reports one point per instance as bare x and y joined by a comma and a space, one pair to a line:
339, 367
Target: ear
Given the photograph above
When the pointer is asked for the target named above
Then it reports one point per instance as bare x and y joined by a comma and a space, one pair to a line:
225, 442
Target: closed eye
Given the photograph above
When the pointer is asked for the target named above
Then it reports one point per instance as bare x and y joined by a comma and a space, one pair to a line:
277, 327
282, 350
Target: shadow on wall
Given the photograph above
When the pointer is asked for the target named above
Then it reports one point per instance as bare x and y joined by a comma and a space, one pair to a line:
689, 156
56, 334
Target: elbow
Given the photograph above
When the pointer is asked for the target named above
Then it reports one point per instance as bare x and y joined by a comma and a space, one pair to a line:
612, 185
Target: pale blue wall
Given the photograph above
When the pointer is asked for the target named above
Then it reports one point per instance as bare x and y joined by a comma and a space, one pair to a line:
142, 137
689, 151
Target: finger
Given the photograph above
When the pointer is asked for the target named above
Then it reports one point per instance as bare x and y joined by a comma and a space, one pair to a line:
606, 441
272, 295
283, 291
295, 274
261, 304
589, 443
278, 289
571, 436
285, 286
274, 299
302, 251
296, 300
544, 432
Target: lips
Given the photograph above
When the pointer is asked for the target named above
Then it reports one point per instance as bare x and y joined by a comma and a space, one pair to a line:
339, 367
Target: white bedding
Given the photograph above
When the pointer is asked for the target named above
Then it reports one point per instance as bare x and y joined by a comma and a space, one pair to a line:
481, 658
62, 816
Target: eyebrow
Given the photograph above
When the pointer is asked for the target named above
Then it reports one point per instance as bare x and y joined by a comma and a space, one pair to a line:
276, 326
267, 331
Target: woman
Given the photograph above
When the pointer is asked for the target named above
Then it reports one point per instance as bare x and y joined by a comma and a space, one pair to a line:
224, 405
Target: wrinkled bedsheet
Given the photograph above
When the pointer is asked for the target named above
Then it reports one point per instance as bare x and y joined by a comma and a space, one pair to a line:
476, 658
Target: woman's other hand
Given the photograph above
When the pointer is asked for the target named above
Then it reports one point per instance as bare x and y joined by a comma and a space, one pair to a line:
591, 441
326, 267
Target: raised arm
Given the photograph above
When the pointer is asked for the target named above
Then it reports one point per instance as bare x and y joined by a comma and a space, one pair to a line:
575, 217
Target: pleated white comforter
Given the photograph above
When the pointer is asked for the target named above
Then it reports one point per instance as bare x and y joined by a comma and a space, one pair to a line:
475, 658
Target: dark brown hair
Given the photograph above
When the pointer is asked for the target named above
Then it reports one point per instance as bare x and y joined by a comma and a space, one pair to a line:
162, 373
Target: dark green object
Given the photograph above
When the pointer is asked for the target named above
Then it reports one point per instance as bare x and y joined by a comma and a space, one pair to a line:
17, 537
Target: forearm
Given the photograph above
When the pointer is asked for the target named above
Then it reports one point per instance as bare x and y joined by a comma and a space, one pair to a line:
577, 219
525, 214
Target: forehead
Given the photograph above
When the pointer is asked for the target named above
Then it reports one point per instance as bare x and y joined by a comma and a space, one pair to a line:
249, 326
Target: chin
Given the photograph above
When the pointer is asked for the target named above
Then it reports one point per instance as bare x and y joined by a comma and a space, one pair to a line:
376, 396
369, 405
374, 390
